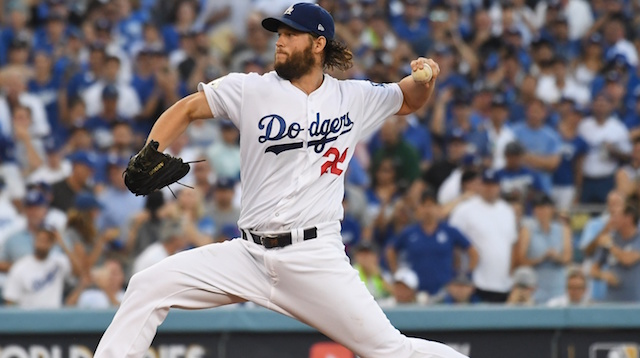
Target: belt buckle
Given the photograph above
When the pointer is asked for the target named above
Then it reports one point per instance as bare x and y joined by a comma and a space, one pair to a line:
269, 241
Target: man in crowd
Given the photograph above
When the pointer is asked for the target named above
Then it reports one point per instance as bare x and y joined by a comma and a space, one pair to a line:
37, 280
618, 258
429, 248
490, 224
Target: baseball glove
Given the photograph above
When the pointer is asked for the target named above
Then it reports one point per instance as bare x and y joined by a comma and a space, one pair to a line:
151, 170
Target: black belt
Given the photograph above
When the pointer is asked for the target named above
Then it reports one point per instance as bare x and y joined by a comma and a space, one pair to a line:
278, 240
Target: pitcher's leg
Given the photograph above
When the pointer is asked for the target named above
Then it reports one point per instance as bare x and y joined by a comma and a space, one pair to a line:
331, 297
194, 279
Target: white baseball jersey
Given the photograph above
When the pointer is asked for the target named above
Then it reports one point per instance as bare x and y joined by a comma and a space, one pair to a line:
32, 283
295, 147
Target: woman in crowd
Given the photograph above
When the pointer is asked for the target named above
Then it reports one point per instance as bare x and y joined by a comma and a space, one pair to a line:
545, 245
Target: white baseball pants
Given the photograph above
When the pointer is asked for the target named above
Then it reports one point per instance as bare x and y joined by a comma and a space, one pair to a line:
311, 281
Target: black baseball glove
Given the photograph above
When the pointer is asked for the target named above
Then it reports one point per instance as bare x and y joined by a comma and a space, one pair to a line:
151, 170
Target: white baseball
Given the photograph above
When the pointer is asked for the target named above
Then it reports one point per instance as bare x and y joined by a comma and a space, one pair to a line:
423, 75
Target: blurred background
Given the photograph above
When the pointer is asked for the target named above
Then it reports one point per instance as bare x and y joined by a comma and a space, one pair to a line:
516, 185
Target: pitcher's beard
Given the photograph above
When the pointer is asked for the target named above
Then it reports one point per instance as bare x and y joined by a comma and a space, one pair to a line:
297, 65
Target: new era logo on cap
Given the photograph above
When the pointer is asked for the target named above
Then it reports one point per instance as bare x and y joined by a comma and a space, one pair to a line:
320, 27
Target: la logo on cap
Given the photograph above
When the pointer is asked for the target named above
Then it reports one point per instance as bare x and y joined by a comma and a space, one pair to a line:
289, 10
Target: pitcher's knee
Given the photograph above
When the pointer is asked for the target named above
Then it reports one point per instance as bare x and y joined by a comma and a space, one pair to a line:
144, 283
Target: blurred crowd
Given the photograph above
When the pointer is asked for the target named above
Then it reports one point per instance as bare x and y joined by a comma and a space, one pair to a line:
518, 183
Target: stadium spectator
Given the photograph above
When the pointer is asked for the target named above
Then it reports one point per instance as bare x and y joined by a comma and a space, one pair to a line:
567, 179
82, 169
608, 141
441, 169
382, 197
515, 178
127, 101
525, 282
82, 237
632, 118
366, 262
10, 219
351, 230
559, 32
464, 121
105, 290
413, 133
618, 258
541, 142
18, 51
224, 155
204, 180
118, 205
616, 39
15, 24
101, 124
590, 62
21, 243
222, 209
198, 228
430, 247
452, 188
578, 13
413, 24
498, 133
257, 45
171, 241
28, 150
545, 246
14, 85
594, 228
470, 182
55, 167
576, 293
490, 225
89, 72
37, 279
559, 83
46, 84
146, 225
123, 142
628, 176
399, 151
404, 290
459, 291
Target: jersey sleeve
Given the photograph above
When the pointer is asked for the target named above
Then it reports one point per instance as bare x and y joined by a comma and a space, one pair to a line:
12, 291
397, 242
459, 239
224, 96
537, 182
582, 147
379, 102
457, 219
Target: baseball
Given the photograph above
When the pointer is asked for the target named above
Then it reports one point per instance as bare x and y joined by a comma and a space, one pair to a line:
423, 75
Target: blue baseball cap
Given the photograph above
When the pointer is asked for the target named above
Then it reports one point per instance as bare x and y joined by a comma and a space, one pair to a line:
35, 197
117, 161
85, 158
304, 17
498, 100
110, 91
489, 176
225, 183
86, 201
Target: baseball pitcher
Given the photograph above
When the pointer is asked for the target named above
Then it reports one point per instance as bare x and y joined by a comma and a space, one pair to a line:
299, 130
